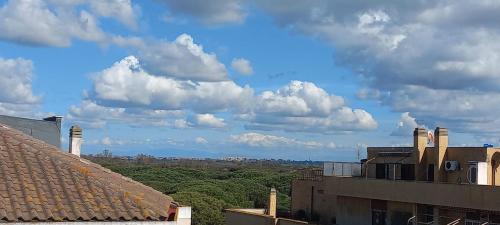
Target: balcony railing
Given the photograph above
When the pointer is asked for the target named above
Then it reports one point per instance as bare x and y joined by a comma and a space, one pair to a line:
342, 169
310, 174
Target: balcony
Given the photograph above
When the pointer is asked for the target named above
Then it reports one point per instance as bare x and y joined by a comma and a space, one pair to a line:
481, 197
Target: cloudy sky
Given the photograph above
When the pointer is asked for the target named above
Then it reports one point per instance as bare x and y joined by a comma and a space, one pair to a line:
311, 79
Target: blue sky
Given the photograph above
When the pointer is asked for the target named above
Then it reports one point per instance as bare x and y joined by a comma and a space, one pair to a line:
309, 80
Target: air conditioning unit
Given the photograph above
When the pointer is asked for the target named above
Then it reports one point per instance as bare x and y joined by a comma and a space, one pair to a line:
451, 165
477, 173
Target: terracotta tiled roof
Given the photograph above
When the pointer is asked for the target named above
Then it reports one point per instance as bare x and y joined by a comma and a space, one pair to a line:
39, 182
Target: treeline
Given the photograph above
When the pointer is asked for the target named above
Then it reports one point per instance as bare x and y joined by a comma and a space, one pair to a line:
211, 189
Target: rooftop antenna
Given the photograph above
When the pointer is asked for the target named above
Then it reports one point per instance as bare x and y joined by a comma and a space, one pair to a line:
358, 152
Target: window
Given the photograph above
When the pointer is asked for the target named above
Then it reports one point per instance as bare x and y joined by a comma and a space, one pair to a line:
407, 172
430, 173
379, 212
381, 171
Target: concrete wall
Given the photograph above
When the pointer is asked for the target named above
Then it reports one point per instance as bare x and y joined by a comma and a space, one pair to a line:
353, 211
290, 222
399, 212
247, 217
301, 196
234, 217
47, 131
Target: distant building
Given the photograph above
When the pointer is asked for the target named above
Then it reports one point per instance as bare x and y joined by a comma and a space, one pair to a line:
47, 130
40, 184
405, 185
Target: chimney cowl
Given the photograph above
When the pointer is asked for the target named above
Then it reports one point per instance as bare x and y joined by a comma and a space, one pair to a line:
75, 140
75, 131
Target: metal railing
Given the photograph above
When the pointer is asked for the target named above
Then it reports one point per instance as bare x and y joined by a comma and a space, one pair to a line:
310, 174
343, 169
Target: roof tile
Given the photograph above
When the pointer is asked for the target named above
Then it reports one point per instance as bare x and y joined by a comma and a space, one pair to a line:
39, 182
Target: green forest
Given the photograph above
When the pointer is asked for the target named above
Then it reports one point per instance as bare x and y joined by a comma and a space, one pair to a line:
211, 187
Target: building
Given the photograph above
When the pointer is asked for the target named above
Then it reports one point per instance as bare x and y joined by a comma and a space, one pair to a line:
422, 184
40, 184
48, 129
267, 216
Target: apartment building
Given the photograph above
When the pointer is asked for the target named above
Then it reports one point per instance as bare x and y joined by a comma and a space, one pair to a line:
429, 183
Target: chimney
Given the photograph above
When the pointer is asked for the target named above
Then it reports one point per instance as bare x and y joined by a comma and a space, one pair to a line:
75, 140
440, 146
272, 203
58, 121
419, 145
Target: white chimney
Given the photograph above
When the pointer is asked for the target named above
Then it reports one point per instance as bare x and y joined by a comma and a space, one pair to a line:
75, 140
272, 203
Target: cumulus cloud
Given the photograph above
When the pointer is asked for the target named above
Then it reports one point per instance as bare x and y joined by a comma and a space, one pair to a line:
91, 115
443, 47
392, 45
180, 59
258, 140
16, 93
16, 76
208, 120
126, 84
406, 125
122, 10
242, 66
215, 12
57, 23
201, 140
302, 106
298, 106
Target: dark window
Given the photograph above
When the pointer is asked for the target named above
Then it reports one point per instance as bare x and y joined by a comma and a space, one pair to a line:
474, 215
473, 175
378, 217
430, 172
425, 213
380, 171
407, 172
400, 217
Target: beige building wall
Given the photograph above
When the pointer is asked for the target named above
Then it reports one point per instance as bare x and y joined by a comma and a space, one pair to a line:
353, 211
235, 217
247, 217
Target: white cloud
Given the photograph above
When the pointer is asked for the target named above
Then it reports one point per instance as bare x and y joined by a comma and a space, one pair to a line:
179, 59
271, 141
242, 66
16, 76
126, 84
181, 124
106, 141
201, 140
392, 46
208, 120
302, 106
92, 115
298, 106
122, 10
16, 92
406, 125
57, 23
215, 12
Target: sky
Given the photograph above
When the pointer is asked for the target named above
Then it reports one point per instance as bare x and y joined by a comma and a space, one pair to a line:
305, 80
